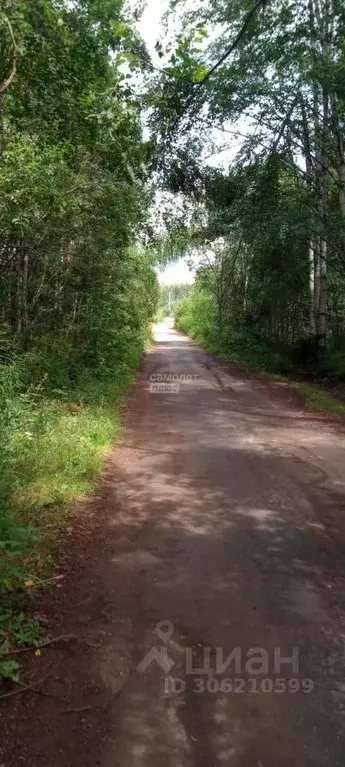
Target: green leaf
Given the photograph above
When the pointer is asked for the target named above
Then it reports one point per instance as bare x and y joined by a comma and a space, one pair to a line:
9, 670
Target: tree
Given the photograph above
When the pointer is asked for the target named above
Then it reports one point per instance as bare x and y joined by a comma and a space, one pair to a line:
276, 67
72, 197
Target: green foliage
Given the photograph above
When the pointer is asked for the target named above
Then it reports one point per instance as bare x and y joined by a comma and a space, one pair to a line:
77, 288
17, 542
53, 450
319, 399
16, 538
334, 362
9, 670
274, 225
17, 628
61, 461
197, 316
169, 296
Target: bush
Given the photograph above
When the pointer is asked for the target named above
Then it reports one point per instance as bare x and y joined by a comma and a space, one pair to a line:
334, 363
57, 420
196, 316
16, 538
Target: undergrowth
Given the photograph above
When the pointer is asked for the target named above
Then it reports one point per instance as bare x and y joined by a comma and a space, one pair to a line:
321, 400
17, 629
52, 447
196, 316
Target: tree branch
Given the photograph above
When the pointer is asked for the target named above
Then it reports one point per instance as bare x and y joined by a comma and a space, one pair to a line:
9, 80
259, 4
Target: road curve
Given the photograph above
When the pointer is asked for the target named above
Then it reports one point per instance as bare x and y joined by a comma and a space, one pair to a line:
223, 556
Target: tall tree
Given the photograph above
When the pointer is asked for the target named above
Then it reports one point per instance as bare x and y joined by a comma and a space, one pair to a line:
274, 74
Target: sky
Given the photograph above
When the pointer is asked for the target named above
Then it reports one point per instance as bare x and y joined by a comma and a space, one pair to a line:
150, 29
176, 273
149, 25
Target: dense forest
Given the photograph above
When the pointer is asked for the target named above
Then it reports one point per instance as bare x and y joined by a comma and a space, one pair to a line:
240, 131
77, 287
269, 226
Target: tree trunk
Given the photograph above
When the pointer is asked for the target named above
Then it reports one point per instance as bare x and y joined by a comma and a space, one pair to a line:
324, 194
341, 166
312, 252
25, 290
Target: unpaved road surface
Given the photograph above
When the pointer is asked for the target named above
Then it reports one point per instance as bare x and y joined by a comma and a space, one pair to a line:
218, 530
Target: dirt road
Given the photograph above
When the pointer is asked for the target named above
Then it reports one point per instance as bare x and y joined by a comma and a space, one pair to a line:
220, 531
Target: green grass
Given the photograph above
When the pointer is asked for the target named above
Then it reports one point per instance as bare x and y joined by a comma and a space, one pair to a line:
53, 452
321, 400
59, 415
62, 462
53, 448
54, 457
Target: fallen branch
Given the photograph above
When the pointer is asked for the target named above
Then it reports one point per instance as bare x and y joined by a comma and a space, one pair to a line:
37, 584
33, 688
75, 710
63, 638
24, 688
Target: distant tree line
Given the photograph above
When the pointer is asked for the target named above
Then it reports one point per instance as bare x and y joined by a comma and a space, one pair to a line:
169, 296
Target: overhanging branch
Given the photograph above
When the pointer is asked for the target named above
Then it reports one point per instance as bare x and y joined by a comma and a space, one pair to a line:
259, 4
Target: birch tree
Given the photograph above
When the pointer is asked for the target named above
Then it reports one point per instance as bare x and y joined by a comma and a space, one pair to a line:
277, 67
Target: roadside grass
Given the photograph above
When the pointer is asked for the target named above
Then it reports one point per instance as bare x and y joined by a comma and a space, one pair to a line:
242, 347
62, 461
274, 364
321, 400
53, 449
